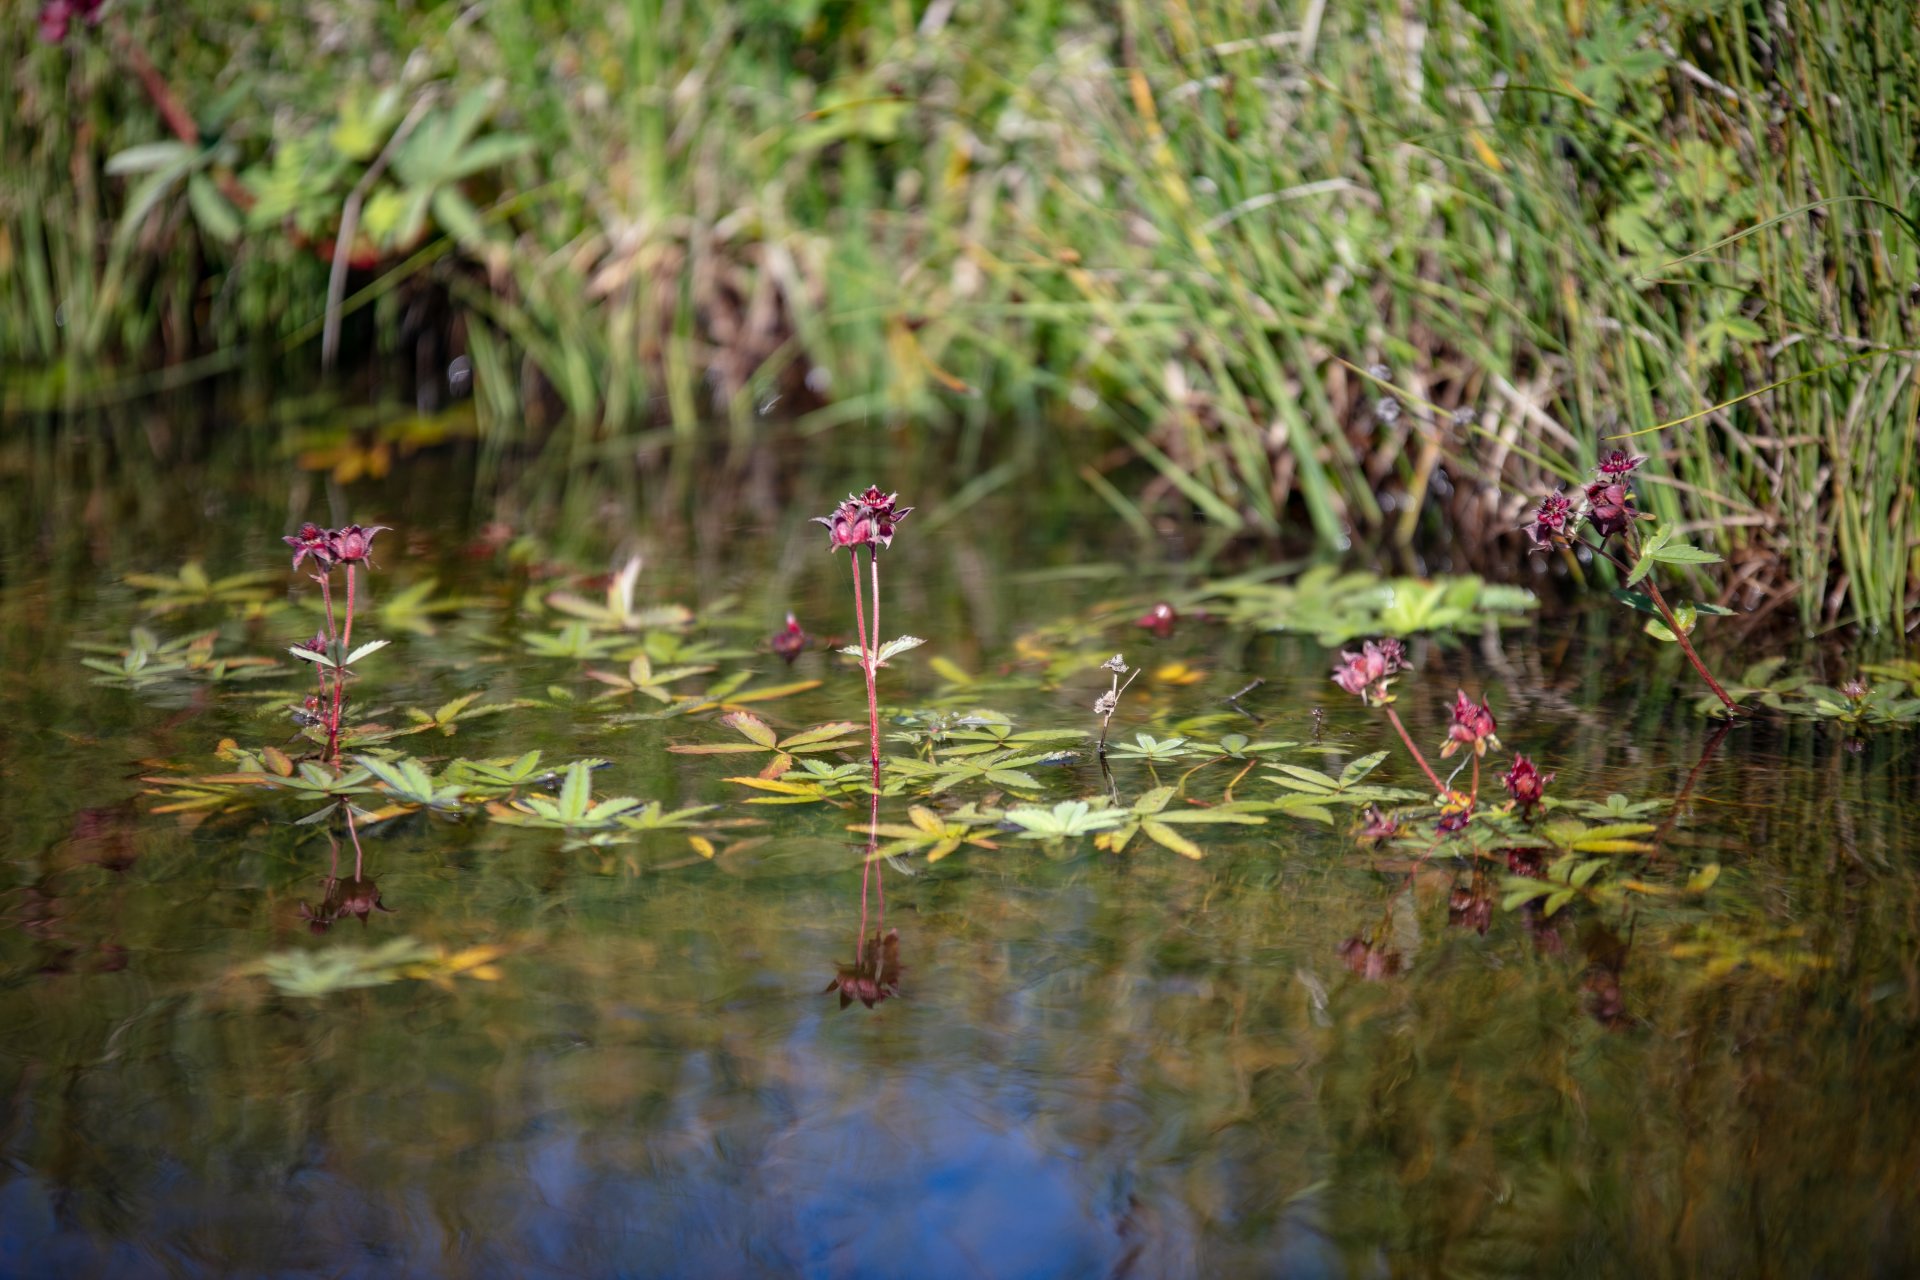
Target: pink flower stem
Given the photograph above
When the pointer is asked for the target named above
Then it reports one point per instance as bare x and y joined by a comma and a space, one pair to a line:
1439, 787
333, 649
866, 666
340, 674
873, 671
346, 637
319, 670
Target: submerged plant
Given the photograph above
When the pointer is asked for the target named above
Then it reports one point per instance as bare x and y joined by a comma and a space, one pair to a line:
868, 520
1607, 506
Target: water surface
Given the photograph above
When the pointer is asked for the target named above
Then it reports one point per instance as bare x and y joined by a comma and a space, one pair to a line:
1095, 1064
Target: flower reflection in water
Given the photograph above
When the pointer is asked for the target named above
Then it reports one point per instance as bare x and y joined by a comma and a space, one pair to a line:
874, 974
357, 896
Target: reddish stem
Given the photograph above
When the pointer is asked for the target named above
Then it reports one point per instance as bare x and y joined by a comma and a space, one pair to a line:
866, 666
1439, 787
1673, 623
333, 650
178, 118
346, 637
1686, 645
873, 652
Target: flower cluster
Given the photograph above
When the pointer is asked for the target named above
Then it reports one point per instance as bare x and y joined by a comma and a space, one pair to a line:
348, 545
1368, 674
1473, 726
864, 519
1526, 784
1607, 503
1609, 500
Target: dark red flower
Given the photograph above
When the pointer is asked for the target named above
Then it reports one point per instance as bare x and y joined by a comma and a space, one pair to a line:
353, 545
848, 526
1369, 673
57, 15
1526, 784
791, 642
864, 519
1552, 522
1159, 620
1610, 507
1456, 811
313, 541
1619, 464
1473, 726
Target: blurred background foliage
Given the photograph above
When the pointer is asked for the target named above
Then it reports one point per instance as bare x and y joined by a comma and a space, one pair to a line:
1155, 242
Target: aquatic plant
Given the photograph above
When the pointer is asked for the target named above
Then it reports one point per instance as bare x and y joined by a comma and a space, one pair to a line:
868, 520
1607, 506
348, 547
1107, 703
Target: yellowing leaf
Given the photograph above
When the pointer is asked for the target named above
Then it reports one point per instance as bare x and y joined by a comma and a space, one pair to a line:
1166, 835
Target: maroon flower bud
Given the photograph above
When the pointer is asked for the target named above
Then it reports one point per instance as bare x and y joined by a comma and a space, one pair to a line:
791, 642
1854, 690
353, 545
1526, 784
1159, 620
313, 541
1552, 522
1473, 726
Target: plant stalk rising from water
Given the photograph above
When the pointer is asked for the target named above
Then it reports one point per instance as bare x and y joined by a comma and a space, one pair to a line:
868, 520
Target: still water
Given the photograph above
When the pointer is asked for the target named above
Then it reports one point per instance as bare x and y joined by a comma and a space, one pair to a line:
1294, 1056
